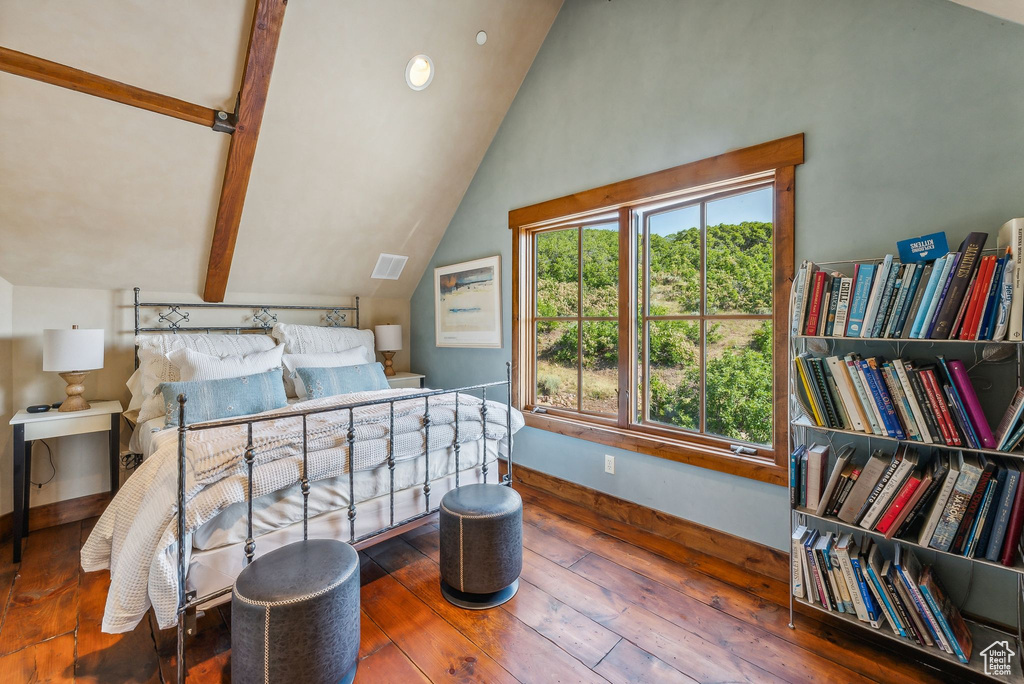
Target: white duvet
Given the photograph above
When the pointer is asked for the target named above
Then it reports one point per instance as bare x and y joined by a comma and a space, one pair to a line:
135, 536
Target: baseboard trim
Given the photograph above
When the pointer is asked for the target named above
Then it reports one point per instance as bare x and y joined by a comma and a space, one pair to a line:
57, 513
745, 553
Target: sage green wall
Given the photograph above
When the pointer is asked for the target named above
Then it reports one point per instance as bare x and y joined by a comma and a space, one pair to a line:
914, 118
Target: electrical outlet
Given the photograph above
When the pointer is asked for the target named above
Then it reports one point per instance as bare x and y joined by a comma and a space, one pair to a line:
609, 464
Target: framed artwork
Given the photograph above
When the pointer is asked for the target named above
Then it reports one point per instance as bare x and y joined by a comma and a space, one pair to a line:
467, 303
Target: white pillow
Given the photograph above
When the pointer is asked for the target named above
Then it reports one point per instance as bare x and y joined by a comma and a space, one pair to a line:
317, 339
193, 365
293, 383
156, 367
134, 386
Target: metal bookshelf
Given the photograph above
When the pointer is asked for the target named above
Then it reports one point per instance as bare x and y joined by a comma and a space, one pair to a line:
801, 427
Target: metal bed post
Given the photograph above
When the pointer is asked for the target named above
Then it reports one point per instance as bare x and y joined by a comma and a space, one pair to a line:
182, 599
136, 327
351, 476
305, 482
250, 458
483, 430
508, 420
426, 451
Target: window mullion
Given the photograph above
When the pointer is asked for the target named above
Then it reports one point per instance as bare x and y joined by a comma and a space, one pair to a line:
579, 318
625, 311
701, 328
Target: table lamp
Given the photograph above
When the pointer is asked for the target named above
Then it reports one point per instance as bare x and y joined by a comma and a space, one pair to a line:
389, 340
72, 354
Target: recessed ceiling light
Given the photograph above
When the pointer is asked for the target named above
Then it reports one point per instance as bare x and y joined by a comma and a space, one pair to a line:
419, 72
481, 37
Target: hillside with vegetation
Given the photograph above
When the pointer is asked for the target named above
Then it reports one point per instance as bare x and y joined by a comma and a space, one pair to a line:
739, 351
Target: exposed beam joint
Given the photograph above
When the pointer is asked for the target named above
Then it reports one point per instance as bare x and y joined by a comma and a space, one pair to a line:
252, 99
38, 69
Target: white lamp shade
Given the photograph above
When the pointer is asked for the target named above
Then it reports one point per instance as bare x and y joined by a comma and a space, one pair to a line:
388, 337
72, 349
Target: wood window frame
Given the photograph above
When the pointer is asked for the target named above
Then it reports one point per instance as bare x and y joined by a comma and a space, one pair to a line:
779, 158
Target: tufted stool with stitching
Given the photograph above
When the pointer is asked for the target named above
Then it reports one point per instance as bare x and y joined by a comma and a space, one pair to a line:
295, 615
481, 545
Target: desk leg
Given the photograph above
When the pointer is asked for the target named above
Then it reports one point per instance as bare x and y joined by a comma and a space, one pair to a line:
28, 485
115, 452
19, 489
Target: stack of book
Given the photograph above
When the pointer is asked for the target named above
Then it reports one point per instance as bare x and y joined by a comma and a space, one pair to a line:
962, 295
961, 503
833, 571
934, 403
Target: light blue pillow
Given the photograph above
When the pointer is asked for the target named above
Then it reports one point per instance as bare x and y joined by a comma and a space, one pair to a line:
227, 398
329, 382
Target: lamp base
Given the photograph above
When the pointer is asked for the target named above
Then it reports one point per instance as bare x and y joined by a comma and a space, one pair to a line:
75, 400
389, 369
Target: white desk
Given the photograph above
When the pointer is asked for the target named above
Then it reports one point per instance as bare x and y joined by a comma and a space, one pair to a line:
103, 416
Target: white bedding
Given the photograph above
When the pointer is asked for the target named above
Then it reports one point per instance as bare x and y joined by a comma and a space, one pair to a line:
135, 537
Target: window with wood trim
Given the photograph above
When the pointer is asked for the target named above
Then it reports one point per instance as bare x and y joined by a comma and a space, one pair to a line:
650, 314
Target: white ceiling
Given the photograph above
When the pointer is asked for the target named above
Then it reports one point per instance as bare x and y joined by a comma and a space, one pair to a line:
350, 161
1012, 10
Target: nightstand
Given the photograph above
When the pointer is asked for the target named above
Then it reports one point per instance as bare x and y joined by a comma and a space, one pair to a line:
103, 416
405, 379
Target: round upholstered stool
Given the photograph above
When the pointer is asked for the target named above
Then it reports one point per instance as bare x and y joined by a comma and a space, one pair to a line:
481, 545
295, 615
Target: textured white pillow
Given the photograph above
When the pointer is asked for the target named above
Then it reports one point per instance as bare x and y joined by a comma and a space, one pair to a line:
193, 365
316, 339
157, 368
293, 383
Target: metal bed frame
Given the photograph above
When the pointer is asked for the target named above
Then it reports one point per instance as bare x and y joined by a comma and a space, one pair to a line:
174, 314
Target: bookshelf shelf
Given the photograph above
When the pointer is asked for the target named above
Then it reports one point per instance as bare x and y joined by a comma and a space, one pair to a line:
804, 422
981, 634
912, 340
1019, 569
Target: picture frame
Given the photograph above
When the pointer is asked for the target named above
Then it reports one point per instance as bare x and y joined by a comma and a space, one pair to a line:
467, 304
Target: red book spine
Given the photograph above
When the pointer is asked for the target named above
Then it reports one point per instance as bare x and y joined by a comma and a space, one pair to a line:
936, 397
815, 309
1014, 528
979, 285
897, 504
961, 313
979, 314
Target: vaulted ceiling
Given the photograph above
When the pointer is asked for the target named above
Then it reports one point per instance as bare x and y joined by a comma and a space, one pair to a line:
350, 162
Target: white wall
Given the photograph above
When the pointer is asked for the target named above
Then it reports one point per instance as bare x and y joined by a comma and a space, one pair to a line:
80, 462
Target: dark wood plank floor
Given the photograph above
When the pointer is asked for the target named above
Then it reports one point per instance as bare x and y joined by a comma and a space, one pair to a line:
598, 601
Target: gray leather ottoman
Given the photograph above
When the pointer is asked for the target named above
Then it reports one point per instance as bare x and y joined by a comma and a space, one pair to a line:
481, 545
295, 615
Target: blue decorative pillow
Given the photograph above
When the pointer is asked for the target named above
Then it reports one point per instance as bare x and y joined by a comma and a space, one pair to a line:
227, 398
329, 382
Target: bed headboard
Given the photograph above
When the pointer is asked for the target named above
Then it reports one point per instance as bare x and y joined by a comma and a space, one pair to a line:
173, 317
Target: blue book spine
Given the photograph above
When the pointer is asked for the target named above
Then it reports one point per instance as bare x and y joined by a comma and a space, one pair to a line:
882, 399
905, 305
988, 320
859, 305
942, 296
995, 542
885, 599
885, 301
869, 600
943, 623
833, 305
921, 608
794, 474
929, 292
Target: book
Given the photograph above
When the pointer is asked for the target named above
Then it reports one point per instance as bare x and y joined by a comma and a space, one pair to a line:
967, 523
903, 463
1010, 418
953, 513
860, 385
842, 552
1013, 529
905, 605
794, 474
977, 543
908, 569
873, 568
814, 308
886, 298
899, 501
959, 405
865, 274
899, 297
938, 507
1011, 236
946, 612
821, 550
912, 402
936, 399
875, 616
948, 271
799, 536
826, 298
817, 463
874, 298
921, 488
920, 293
978, 297
839, 583
848, 395
958, 374
880, 395
964, 304
843, 306
842, 460
824, 393
970, 251
804, 280
869, 476
848, 479
921, 398
988, 313
1007, 495
1007, 287
833, 304
908, 297
934, 480
922, 316
812, 406
900, 402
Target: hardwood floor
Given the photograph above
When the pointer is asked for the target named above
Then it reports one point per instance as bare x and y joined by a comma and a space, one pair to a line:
597, 602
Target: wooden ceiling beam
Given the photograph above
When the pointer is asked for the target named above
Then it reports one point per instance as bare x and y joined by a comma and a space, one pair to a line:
252, 99
36, 68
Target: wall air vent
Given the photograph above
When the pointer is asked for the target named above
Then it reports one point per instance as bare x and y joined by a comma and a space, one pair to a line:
389, 267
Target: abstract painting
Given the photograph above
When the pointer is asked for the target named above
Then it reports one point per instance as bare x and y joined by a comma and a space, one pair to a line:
467, 303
